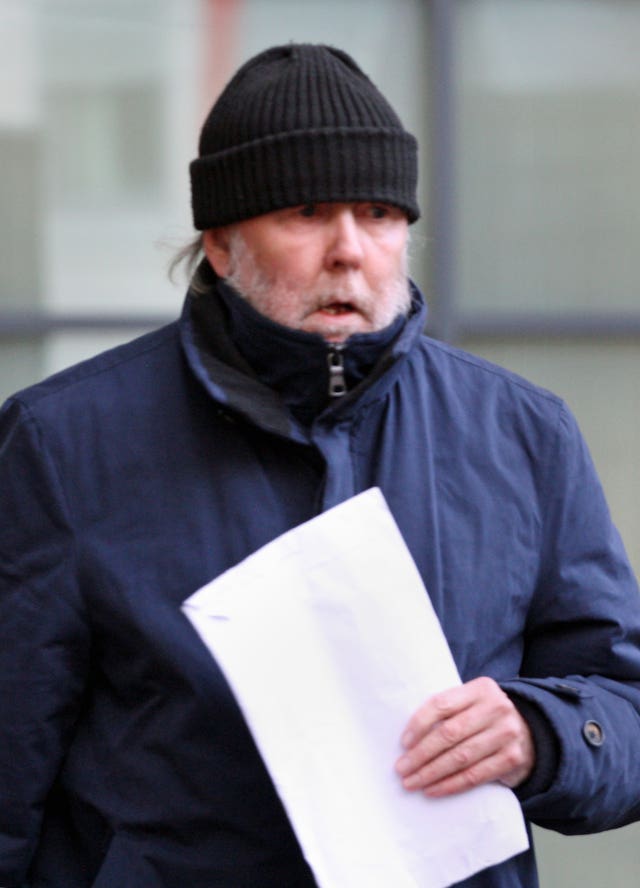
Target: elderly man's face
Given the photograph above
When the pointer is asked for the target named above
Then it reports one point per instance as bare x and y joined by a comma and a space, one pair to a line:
329, 268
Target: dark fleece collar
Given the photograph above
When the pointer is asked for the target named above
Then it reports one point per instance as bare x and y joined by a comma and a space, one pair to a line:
291, 363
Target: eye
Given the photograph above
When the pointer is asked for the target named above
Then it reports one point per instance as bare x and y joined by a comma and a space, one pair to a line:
379, 211
308, 210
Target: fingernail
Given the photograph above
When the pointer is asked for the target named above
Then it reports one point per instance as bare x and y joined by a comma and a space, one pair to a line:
403, 765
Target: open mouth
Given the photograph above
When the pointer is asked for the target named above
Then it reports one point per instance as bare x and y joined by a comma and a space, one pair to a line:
338, 308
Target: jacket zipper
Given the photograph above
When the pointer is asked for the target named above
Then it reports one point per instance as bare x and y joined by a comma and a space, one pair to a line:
335, 361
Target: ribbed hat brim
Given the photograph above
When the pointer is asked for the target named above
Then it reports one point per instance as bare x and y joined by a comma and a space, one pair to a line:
287, 169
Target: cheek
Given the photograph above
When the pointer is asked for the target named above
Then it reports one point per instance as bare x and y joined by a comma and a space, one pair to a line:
387, 264
297, 268
282, 305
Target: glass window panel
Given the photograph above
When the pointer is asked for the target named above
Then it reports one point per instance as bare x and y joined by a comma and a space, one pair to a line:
102, 147
60, 350
21, 363
21, 195
549, 141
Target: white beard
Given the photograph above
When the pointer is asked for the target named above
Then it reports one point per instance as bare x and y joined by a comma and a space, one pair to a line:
380, 304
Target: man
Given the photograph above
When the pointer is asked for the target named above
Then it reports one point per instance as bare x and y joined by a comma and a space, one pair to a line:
297, 376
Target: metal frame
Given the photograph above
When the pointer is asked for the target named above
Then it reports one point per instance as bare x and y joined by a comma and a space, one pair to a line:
548, 326
26, 324
442, 178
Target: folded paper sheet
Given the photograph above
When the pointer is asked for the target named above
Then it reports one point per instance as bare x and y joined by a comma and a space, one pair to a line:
329, 642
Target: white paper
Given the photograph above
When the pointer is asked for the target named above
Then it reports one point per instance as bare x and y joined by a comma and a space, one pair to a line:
329, 642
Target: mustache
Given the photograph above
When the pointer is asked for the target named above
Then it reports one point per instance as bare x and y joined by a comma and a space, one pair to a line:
342, 295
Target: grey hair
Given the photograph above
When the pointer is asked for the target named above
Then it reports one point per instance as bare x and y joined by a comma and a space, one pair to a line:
189, 257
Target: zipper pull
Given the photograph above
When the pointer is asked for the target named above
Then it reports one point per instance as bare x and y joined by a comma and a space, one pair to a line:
335, 360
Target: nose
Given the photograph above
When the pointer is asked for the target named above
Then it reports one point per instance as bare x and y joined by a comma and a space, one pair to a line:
344, 240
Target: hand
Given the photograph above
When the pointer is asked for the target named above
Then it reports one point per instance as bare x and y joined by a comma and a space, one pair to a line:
464, 737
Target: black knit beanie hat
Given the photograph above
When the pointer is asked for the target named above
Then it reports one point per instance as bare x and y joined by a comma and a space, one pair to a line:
296, 124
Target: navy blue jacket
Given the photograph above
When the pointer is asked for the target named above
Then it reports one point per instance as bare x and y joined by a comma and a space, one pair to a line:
129, 481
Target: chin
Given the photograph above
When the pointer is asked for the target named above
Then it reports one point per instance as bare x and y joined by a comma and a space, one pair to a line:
340, 332
340, 335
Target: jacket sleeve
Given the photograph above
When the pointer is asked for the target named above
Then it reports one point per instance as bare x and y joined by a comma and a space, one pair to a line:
581, 663
43, 636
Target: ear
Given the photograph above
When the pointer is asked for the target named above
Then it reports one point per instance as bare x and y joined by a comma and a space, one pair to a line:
215, 242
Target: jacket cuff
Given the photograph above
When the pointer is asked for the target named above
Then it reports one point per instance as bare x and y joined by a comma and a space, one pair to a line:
547, 748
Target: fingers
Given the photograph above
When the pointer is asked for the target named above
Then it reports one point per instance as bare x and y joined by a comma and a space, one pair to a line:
463, 738
443, 707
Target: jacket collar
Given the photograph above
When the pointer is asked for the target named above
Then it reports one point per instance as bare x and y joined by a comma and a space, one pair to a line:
278, 377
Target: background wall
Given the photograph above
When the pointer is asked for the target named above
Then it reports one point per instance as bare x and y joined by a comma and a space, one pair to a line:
528, 117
